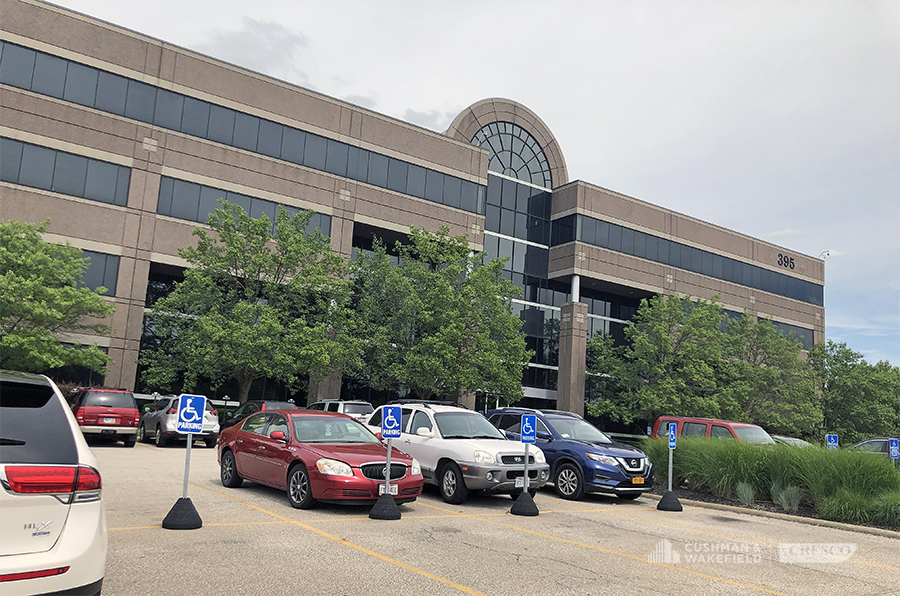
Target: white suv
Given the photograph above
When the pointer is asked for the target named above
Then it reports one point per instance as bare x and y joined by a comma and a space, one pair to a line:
54, 519
355, 409
459, 451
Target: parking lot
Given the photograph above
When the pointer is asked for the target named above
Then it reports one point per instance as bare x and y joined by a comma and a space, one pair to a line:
253, 542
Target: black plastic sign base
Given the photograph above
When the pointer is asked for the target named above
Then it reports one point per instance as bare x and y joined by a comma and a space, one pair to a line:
669, 502
524, 505
183, 516
385, 508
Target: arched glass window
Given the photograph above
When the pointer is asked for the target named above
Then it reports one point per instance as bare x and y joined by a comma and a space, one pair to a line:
514, 153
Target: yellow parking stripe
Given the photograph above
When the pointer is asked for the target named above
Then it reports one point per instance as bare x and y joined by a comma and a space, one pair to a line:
363, 549
612, 552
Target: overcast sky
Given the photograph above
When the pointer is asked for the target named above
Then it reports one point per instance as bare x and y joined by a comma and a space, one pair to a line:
780, 120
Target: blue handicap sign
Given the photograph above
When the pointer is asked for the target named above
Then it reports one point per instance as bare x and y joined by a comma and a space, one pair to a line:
390, 422
529, 428
190, 413
672, 430
831, 441
895, 448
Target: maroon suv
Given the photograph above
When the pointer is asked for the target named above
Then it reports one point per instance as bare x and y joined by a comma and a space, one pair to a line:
105, 412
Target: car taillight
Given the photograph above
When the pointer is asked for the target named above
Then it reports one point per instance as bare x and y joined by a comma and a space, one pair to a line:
137, 417
172, 411
214, 412
79, 416
52, 479
11, 577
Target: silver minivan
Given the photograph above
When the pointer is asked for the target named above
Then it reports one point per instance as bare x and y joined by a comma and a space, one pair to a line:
161, 421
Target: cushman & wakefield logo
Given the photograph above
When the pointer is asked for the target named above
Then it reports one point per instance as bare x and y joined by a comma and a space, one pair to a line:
738, 553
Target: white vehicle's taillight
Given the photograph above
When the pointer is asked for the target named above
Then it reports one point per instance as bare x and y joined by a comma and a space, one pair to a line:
54, 480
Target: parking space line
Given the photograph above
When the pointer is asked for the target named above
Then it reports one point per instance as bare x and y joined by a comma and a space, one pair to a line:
612, 552
362, 549
210, 525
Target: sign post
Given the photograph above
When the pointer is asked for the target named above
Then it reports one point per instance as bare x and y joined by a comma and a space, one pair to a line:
831, 441
524, 504
191, 409
385, 507
669, 501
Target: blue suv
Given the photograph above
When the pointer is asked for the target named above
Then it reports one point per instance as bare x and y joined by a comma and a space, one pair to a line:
582, 459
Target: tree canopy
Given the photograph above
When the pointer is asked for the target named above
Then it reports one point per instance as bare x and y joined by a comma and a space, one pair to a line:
685, 357
859, 399
438, 320
256, 302
42, 295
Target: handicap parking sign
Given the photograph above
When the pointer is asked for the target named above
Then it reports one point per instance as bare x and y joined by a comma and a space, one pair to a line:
831, 441
673, 426
529, 428
895, 448
190, 413
390, 422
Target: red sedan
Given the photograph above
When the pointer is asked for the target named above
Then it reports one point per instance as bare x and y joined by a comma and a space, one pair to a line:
315, 456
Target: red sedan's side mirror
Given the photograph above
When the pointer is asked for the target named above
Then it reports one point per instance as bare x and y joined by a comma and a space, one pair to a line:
278, 435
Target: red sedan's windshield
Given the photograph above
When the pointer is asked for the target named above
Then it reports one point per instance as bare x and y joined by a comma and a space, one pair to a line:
318, 429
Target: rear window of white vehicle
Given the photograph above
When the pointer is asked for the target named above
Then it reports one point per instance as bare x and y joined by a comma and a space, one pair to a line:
34, 428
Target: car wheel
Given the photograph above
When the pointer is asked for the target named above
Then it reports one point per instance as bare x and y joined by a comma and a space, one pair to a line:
299, 490
453, 485
160, 438
568, 482
228, 471
629, 497
210, 442
130, 440
142, 434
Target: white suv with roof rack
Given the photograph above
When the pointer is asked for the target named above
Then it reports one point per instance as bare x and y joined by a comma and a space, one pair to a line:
459, 451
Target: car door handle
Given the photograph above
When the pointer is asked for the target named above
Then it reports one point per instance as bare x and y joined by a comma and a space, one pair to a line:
261, 447
407, 441
240, 440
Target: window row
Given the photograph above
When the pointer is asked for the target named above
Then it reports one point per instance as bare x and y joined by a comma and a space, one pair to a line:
801, 334
661, 250
64, 79
102, 271
540, 378
65, 173
196, 202
509, 194
520, 257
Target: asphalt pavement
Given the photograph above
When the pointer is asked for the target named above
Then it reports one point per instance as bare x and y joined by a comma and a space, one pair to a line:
253, 542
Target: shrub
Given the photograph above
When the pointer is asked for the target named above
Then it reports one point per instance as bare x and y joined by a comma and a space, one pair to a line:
746, 494
844, 486
789, 498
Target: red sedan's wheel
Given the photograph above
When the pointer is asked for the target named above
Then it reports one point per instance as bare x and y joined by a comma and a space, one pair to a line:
299, 490
228, 472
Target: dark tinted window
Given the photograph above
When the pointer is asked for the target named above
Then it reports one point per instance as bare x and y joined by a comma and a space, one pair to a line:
378, 170
111, 399
195, 120
270, 138
49, 75
693, 429
397, 174
70, 174
17, 67
34, 426
102, 271
37, 167
10, 160
169, 109
336, 158
140, 102
112, 91
315, 153
293, 144
246, 131
221, 124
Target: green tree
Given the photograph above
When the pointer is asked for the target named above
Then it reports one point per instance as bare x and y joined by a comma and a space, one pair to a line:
763, 380
674, 349
439, 322
41, 296
254, 303
859, 399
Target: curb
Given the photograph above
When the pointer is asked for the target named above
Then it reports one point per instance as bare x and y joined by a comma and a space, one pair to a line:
812, 521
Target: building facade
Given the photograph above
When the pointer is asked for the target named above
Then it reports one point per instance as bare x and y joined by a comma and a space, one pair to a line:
125, 143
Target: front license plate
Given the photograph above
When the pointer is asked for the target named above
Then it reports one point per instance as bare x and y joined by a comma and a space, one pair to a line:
637, 480
393, 489
109, 421
520, 482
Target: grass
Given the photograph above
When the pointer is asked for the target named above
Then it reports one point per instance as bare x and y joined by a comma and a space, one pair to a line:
844, 486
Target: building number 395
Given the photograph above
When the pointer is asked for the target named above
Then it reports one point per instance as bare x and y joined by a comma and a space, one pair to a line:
785, 261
